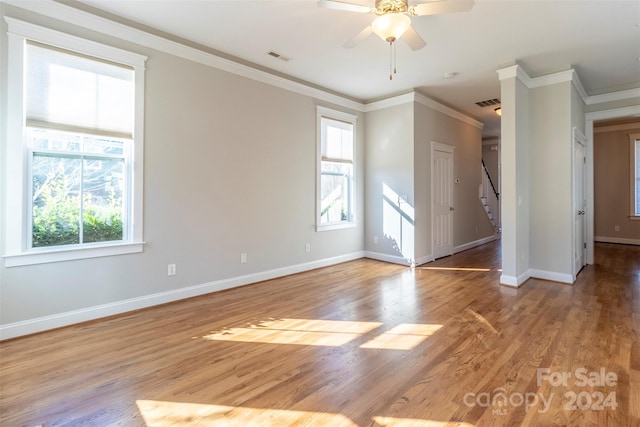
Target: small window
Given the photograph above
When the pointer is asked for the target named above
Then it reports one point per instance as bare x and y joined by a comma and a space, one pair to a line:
336, 188
77, 148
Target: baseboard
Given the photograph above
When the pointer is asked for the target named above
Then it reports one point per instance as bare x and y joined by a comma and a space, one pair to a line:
551, 275
514, 281
40, 324
618, 240
394, 259
425, 259
475, 243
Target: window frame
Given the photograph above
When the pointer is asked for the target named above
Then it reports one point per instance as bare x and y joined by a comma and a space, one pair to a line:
634, 175
17, 225
340, 116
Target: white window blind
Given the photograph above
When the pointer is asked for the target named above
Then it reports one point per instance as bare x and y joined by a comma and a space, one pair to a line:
71, 92
337, 140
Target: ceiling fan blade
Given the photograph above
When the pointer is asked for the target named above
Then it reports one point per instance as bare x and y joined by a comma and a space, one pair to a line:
339, 5
413, 39
359, 37
441, 6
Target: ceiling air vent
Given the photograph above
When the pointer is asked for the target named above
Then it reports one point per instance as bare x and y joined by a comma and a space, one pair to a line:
277, 55
488, 102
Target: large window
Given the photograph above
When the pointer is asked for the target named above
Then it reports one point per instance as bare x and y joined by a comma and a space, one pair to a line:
635, 174
336, 169
76, 189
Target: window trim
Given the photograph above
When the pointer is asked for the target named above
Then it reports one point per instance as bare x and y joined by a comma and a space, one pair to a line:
328, 113
634, 139
16, 225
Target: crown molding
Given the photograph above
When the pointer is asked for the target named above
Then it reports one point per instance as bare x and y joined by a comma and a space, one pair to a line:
389, 102
114, 29
516, 71
421, 99
614, 96
614, 113
614, 128
424, 100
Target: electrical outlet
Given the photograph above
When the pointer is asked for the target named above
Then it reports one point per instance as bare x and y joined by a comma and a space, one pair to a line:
243, 258
307, 247
171, 270
375, 240
616, 228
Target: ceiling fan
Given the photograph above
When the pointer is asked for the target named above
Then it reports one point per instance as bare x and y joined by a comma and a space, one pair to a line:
393, 19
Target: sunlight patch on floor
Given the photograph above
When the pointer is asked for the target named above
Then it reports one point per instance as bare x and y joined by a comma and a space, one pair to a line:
332, 333
412, 422
178, 414
158, 413
405, 336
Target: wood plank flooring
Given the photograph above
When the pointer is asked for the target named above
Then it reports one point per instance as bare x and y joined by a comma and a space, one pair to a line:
364, 343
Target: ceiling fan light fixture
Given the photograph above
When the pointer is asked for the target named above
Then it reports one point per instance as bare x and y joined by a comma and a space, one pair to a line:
391, 27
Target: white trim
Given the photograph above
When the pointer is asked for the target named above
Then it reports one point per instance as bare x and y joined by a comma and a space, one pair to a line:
475, 243
17, 219
634, 141
330, 113
341, 116
77, 44
550, 275
337, 226
40, 324
424, 259
614, 128
619, 240
580, 139
68, 254
428, 102
424, 100
438, 146
613, 113
389, 102
614, 96
428, 258
516, 71
394, 259
105, 26
514, 282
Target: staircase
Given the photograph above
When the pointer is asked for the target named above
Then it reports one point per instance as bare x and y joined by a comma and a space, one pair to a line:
490, 199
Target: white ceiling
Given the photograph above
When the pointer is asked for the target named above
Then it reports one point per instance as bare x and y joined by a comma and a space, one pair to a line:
599, 39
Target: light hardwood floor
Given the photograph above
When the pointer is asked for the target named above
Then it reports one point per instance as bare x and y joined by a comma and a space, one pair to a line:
364, 343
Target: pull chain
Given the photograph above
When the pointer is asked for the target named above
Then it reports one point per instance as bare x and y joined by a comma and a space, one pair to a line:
392, 60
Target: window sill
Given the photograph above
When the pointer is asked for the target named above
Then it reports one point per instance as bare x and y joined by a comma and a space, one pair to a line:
634, 218
43, 256
338, 226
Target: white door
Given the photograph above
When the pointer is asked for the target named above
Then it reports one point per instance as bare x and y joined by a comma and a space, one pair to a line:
579, 203
442, 199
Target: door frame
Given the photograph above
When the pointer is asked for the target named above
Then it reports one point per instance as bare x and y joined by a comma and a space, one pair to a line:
438, 146
579, 139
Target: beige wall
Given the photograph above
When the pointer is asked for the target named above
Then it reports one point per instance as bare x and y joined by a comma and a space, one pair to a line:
389, 163
551, 179
469, 218
611, 152
230, 167
398, 156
